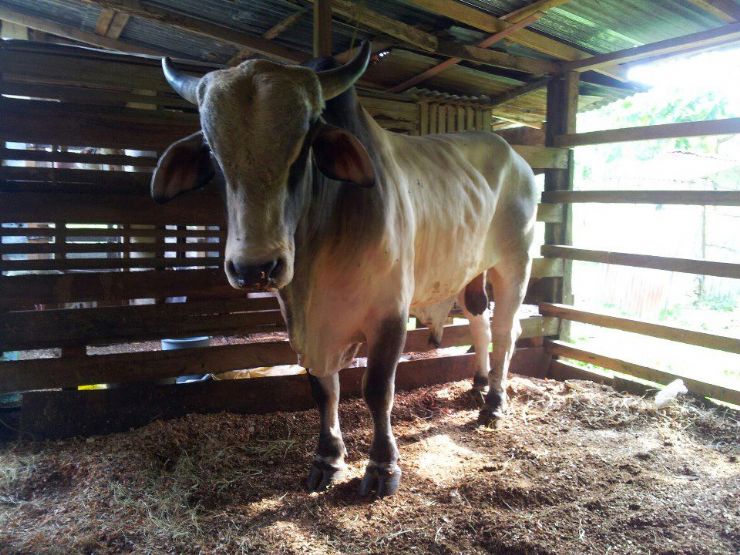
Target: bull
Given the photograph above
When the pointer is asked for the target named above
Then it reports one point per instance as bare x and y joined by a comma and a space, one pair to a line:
356, 227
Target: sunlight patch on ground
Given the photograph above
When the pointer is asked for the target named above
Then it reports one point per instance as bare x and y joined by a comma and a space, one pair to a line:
442, 460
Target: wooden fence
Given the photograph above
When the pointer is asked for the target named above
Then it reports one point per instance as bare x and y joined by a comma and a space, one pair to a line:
559, 196
87, 260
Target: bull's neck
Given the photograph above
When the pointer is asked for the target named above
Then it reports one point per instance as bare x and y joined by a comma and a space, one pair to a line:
335, 213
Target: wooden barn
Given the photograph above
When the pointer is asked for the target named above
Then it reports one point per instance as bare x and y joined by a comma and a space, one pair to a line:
146, 405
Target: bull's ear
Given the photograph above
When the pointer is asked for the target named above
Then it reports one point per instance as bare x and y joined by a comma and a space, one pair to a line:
340, 155
184, 166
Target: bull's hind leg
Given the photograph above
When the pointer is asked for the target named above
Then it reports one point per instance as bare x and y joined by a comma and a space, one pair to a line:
328, 463
474, 303
378, 384
509, 283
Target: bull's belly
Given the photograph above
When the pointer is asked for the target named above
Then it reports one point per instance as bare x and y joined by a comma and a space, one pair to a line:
443, 273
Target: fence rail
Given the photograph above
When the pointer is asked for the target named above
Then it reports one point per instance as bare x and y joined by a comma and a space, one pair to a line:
684, 265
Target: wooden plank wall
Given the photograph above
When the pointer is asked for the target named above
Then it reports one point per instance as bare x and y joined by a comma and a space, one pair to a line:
88, 260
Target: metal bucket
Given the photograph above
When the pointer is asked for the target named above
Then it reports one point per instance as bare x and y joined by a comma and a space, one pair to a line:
186, 343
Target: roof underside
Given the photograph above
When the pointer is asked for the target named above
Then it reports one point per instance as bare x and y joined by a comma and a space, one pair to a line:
591, 26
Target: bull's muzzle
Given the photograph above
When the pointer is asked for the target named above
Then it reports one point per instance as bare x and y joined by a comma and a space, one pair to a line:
255, 276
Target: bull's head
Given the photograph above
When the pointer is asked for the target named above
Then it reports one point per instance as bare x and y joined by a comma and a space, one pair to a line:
261, 123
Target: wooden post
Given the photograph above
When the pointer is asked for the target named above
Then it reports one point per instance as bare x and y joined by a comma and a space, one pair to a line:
322, 28
562, 107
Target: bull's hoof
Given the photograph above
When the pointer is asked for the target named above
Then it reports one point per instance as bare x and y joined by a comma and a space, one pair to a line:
493, 410
322, 475
479, 390
383, 479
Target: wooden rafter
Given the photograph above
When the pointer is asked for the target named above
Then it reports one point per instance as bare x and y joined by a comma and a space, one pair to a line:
201, 27
104, 20
512, 94
698, 41
322, 28
119, 22
110, 23
71, 32
724, 10
535, 7
272, 33
356, 12
483, 21
427, 42
449, 62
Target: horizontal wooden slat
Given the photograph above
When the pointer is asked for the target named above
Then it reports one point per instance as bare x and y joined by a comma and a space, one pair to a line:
43, 329
562, 370
685, 265
148, 247
24, 291
124, 230
682, 335
727, 126
198, 208
89, 96
65, 264
543, 157
559, 348
56, 414
76, 157
102, 178
704, 198
140, 366
61, 68
65, 124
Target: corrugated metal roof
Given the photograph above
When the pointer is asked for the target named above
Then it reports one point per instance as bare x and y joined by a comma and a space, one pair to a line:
591, 25
607, 25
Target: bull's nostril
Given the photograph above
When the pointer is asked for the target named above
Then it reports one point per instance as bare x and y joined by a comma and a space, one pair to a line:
277, 269
248, 275
266, 270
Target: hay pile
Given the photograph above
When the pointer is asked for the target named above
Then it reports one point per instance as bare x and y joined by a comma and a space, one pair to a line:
577, 467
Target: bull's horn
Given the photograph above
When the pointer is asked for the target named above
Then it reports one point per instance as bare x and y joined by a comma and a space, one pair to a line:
335, 81
185, 85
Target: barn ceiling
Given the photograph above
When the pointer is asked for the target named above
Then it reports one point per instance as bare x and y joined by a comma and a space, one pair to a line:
227, 31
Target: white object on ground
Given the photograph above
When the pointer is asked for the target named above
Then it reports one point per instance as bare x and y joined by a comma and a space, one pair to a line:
669, 392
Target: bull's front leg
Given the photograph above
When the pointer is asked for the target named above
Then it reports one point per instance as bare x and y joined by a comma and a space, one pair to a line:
378, 385
328, 463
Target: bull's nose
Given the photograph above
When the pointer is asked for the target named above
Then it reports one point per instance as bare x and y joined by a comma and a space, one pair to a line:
254, 275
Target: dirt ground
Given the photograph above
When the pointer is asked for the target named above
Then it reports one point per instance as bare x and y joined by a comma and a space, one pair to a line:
576, 468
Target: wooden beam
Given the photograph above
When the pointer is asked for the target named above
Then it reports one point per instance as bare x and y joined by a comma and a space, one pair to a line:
540, 6
684, 265
727, 126
724, 10
480, 50
562, 108
152, 365
104, 20
701, 198
116, 27
712, 38
272, 33
516, 92
322, 28
357, 13
73, 33
201, 27
661, 331
618, 364
458, 11
57, 414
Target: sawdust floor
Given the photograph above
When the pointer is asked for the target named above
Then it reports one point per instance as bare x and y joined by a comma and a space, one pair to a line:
577, 468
